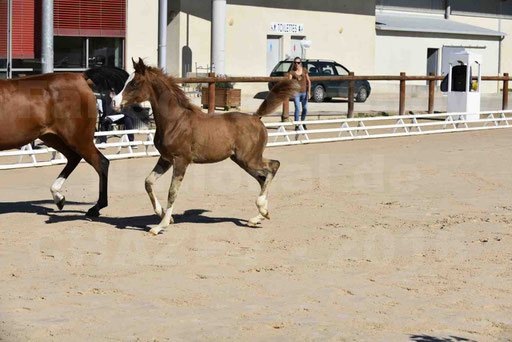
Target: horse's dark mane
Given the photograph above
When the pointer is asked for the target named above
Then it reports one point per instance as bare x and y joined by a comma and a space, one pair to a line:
178, 93
107, 79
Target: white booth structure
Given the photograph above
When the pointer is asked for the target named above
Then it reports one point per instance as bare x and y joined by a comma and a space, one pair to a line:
467, 101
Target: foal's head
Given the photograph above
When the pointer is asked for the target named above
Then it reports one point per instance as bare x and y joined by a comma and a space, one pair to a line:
137, 88
140, 87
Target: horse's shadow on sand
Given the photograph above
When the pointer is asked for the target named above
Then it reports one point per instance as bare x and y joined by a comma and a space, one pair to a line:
142, 223
427, 338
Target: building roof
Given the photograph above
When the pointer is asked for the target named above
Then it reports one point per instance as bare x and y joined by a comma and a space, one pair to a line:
429, 24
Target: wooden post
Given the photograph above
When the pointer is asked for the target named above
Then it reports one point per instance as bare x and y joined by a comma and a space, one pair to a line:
505, 92
211, 95
431, 94
286, 111
402, 94
351, 95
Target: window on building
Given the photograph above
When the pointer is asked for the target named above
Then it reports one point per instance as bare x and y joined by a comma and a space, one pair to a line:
3, 68
69, 52
106, 52
481, 8
415, 5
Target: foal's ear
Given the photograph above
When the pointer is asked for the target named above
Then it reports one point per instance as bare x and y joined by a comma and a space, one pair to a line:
139, 67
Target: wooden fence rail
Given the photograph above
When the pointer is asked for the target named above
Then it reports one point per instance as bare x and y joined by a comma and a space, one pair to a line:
403, 78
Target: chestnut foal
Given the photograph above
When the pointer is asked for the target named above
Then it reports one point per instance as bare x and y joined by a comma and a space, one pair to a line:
185, 135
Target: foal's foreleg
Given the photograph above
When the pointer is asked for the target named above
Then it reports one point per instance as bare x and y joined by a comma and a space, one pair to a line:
179, 168
161, 167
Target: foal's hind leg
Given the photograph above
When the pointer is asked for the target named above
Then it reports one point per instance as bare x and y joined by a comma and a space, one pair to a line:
178, 172
73, 159
263, 172
161, 167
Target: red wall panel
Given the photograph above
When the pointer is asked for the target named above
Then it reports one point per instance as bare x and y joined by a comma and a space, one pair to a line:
93, 18
22, 29
3, 29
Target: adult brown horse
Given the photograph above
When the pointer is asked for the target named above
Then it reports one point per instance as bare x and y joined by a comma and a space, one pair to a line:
185, 135
59, 109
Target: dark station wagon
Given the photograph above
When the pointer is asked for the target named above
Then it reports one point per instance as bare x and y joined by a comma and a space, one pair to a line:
325, 90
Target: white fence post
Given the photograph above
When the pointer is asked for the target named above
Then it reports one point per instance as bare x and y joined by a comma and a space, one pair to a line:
27, 147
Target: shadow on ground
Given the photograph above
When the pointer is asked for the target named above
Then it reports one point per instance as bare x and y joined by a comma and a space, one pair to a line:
142, 223
426, 338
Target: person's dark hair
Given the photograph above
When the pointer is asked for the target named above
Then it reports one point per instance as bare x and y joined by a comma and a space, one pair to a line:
294, 66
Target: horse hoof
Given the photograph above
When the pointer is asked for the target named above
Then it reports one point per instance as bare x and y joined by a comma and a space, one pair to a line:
60, 204
93, 212
253, 223
154, 231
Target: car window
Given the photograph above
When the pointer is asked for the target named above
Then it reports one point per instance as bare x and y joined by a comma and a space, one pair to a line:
341, 70
326, 69
313, 69
283, 67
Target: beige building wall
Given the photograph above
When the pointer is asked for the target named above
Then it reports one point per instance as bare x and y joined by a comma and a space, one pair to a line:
502, 25
173, 52
347, 38
141, 32
188, 32
506, 46
395, 53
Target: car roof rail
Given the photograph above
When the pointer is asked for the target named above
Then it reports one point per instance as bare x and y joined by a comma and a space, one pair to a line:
321, 60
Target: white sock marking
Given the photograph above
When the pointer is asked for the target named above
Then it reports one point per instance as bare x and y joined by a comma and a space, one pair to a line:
55, 189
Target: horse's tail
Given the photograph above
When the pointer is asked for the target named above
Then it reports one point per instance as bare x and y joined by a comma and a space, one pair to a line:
281, 92
106, 79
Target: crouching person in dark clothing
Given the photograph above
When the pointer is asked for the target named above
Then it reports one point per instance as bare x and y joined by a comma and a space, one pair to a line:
110, 117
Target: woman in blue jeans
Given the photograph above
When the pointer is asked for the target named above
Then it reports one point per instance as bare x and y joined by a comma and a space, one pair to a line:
301, 75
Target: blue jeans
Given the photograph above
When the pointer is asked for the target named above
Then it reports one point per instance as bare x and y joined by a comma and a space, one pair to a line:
298, 99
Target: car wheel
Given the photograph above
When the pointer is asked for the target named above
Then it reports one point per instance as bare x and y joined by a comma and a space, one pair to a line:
362, 94
318, 93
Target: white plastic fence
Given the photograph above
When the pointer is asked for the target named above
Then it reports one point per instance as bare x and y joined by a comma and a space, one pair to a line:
280, 134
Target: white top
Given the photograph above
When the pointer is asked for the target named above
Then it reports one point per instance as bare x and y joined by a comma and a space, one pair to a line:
467, 58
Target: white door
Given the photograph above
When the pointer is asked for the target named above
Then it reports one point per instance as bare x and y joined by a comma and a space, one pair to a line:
296, 49
448, 51
273, 52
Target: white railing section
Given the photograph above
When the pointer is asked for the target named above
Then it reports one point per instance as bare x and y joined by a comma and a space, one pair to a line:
383, 127
281, 134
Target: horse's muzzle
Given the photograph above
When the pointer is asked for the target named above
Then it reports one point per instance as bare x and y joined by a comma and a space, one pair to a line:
117, 102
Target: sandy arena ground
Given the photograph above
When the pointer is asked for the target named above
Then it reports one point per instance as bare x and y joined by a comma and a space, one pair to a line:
404, 239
